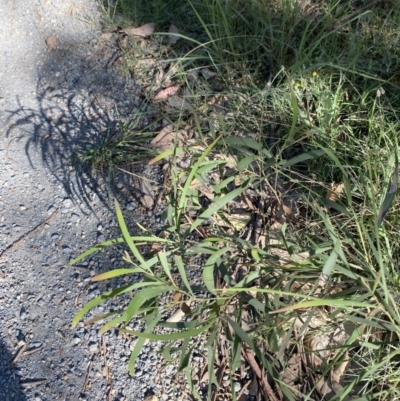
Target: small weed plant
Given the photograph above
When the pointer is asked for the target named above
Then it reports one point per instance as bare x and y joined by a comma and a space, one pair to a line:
279, 249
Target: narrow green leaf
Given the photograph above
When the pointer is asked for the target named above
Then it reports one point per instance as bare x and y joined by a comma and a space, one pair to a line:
182, 272
193, 172
212, 379
112, 323
217, 205
389, 197
127, 236
192, 387
168, 337
185, 355
95, 249
166, 353
208, 271
99, 317
116, 273
140, 342
168, 153
162, 256
295, 108
115, 241
324, 302
98, 300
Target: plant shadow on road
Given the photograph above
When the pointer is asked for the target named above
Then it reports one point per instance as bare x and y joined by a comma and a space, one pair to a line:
10, 389
82, 108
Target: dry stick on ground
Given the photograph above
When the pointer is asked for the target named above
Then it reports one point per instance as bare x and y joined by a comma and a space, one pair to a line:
19, 354
267, 389
89, 368
107, 369
24, 236
32, 383
32, 351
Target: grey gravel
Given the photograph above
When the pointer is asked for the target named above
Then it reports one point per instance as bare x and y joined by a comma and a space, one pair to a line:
52, 103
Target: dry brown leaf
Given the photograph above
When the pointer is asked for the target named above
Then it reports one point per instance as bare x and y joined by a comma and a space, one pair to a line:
338, 371
292, 369
317, 346
287, 210
51, 42
146, 189
195, 184
238, 219
231, 162
177, 297
155, 247
159, 78
142, 31
167, 138
151, 398
284, 256
207, 73
172, 38
334, 192
167, 92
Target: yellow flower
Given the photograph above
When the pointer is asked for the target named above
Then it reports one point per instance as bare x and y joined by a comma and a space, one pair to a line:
297, 84
314, 74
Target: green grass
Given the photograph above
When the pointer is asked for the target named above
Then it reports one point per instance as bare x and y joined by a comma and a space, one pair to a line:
311, 99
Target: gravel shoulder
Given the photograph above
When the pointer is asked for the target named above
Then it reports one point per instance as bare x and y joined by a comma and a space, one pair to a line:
54, 98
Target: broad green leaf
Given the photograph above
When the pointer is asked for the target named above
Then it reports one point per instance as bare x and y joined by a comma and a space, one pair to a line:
336, 206
331, 262
142, 296
140, 342
243, 142
116, 273
236, 361
223, 184
217, 205
203, 249
312, 154
208, 271
244, 163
